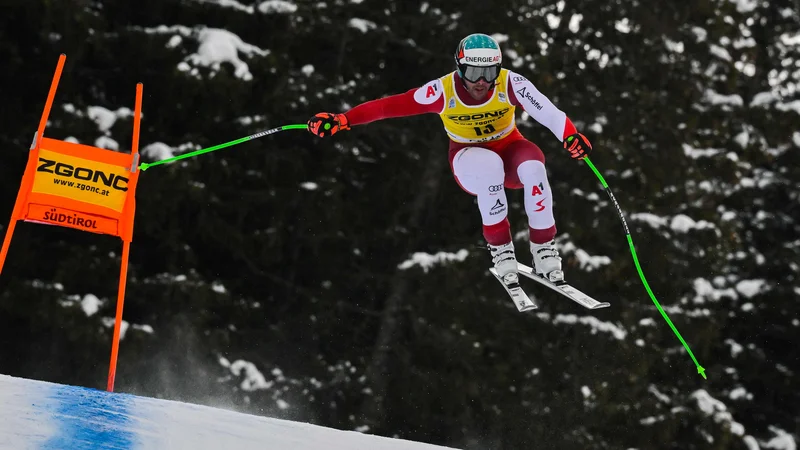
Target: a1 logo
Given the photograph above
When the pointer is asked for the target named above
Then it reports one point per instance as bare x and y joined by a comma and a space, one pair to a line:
428, 93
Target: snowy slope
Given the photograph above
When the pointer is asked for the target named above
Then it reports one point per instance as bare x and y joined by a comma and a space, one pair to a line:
40, 415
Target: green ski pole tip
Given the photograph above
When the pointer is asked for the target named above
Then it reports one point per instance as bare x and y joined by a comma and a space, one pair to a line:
144, 166
702, 372
327, 126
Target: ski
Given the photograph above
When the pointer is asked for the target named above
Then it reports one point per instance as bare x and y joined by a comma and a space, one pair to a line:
518, 296
563, 288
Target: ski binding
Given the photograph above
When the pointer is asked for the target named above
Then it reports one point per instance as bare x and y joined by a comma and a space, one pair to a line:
518, 296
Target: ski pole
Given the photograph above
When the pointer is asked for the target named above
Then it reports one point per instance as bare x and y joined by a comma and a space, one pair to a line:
145, 166
700, 368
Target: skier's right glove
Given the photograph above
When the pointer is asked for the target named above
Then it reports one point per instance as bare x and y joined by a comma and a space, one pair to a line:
327, 124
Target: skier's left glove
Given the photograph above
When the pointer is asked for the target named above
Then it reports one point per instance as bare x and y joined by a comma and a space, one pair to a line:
327, 124
578, 146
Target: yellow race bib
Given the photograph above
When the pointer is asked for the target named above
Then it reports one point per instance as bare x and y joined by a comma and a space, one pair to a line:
492, 120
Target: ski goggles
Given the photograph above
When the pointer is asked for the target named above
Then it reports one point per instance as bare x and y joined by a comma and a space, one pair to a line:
475, 73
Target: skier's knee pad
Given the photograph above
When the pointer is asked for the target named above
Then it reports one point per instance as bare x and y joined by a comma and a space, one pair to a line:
532, 172
476, 168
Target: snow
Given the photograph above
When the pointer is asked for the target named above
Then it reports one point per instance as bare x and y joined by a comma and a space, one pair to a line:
159, 150
594, 323
790, 39
736, 348
90, 304
174, 41
746, 68
277, 7
679, 223
782, 440
708, 404
700, 33
718, 99
586, 391
37, 414
695, 153
683, 223
106, 143
575, 23
553, 21
659, 395
744, 43
673, 46
704, 290
361, 24
750, 288
716, 409
105, 118
742, 139
267, 7
309, 186
426, 260
796, 138
253, 378
108, 322
720, 52
229, 4
307, 70
590, 262
745, 6
623, 25
216, 46
791, 106
143, 328
740, 392
751, 443
651, 219
219, 46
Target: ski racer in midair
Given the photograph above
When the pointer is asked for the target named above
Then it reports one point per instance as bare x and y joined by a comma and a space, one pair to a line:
487, 153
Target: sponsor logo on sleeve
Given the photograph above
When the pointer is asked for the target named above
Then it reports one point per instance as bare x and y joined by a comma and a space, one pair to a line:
523, 93
428, 93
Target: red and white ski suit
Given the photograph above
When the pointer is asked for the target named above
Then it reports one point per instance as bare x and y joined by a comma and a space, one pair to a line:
494, 156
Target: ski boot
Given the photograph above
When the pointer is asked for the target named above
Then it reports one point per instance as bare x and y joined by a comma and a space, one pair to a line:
505, 262
547, 262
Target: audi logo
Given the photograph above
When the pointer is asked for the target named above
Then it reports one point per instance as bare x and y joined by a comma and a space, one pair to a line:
496, 188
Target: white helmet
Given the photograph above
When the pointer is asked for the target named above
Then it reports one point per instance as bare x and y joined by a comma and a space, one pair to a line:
478, 56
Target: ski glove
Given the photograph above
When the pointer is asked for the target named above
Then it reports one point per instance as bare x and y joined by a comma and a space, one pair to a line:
578, 146
327, 124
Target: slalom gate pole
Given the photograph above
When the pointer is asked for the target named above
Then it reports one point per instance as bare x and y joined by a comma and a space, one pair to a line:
700, 368
145, 166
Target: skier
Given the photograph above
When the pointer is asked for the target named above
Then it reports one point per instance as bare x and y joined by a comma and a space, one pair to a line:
487, 154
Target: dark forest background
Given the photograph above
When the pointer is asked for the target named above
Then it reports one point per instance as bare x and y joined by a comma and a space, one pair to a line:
267, 277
